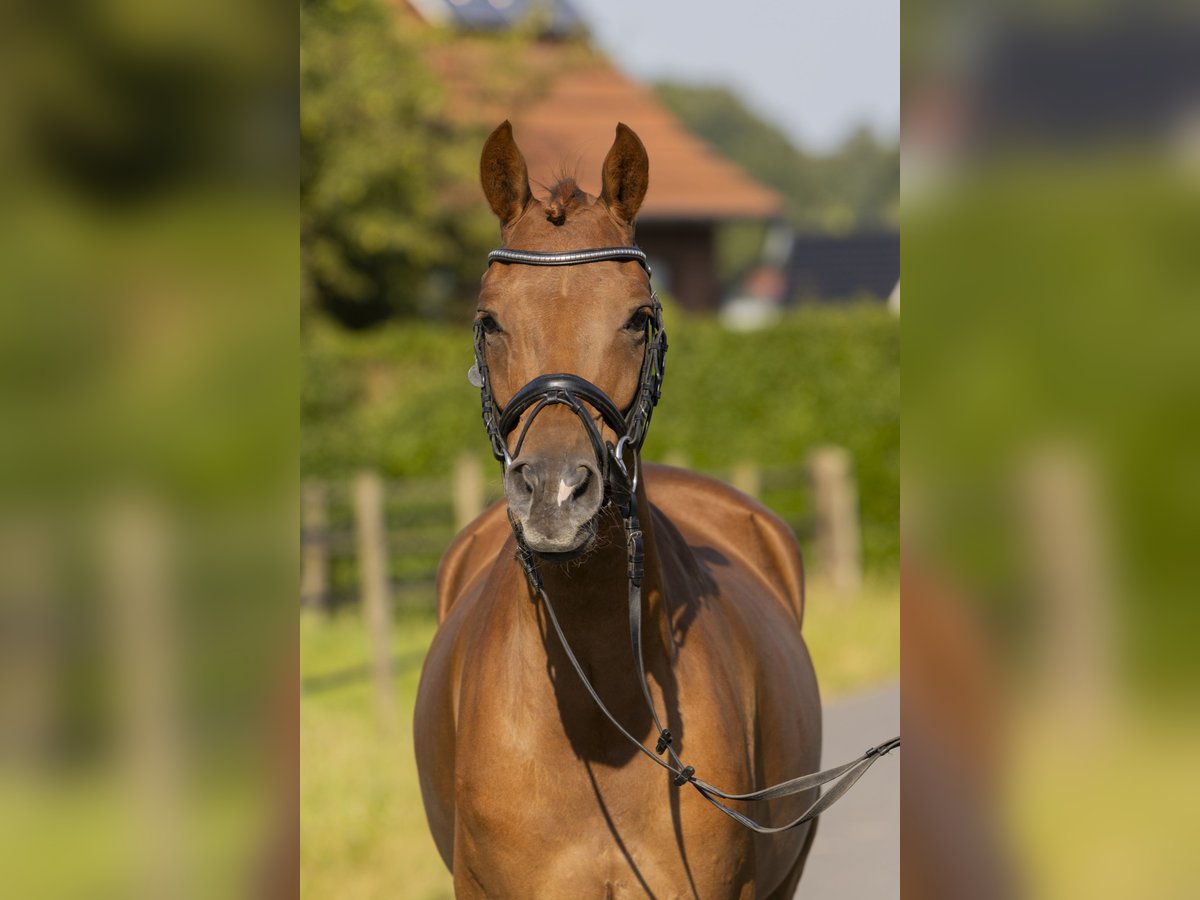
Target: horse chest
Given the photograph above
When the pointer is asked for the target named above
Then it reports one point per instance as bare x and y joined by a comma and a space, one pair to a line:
581, 832
538, 818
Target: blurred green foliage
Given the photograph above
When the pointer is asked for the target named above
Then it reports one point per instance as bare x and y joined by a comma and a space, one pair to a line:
120, 105
148, 376
390, 215
397, 398
1062, 312
854, 187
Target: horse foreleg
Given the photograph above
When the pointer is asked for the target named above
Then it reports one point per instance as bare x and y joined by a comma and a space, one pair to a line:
787, 889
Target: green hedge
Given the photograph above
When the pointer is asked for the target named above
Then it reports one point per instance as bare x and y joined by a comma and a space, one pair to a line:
398, 399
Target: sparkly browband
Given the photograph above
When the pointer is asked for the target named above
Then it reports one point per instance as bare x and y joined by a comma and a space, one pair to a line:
569, 257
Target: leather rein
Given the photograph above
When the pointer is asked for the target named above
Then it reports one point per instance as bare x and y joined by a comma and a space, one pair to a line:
621, 479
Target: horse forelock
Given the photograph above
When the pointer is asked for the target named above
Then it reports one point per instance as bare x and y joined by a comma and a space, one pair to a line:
565, 196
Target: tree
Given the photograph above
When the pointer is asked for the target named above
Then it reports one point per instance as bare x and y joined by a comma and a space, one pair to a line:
857, 186
390, 220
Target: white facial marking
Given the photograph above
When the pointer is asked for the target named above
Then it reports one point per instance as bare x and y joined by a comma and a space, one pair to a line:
564, 491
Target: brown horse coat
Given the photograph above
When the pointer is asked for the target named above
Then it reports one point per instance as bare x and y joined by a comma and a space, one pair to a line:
531, 793
529, 790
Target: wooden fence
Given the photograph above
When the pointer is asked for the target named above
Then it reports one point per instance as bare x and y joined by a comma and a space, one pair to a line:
377, 541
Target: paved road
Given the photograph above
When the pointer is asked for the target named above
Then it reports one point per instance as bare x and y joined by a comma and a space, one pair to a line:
856, 853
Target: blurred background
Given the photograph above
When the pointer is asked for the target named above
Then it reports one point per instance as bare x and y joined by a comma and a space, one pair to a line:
771, 224
1051, 201
149, 376
148, 382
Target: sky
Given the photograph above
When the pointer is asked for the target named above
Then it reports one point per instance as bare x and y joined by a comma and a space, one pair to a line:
818, 70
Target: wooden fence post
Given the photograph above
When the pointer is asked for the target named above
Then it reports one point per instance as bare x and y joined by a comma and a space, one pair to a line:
838, 540
374, 587
1065, 525
314, 546
747, 478
468, 490
137, 540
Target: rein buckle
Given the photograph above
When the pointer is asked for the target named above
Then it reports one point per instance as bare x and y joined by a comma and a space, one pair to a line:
636, 567
664, 741
685, 776
525, 558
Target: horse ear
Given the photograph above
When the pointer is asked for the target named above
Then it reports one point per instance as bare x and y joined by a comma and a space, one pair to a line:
503, 175
626, 174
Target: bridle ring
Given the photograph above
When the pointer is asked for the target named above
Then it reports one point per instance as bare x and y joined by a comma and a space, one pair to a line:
618, 458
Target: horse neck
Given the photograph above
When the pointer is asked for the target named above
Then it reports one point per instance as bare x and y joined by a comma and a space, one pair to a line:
591, 597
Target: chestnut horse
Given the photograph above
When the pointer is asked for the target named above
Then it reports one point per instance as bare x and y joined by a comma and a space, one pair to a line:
529, 788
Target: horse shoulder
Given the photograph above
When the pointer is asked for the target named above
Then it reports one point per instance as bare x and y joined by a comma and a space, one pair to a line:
735, 524
470, 556
461, 591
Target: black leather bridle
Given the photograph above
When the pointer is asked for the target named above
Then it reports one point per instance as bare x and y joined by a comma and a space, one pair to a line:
569, 390
621, 478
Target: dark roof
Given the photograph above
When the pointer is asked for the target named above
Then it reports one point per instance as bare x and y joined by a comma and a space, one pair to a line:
1070, 83
842, 268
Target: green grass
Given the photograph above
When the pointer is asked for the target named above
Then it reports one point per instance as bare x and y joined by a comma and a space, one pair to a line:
854, 641
363, 831
362, 825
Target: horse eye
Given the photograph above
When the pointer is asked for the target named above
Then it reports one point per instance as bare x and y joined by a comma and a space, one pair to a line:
637, 322
488, 324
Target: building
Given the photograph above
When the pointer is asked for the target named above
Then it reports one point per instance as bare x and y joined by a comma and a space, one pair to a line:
564, 100
839, 269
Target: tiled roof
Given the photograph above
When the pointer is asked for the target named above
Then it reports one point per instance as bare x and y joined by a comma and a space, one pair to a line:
565, 100
573, 125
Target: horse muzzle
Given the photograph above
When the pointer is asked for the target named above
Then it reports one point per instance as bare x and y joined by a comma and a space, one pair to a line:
555, 502
554, 495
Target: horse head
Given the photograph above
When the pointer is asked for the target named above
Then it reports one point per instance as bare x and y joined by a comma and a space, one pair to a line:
592, 324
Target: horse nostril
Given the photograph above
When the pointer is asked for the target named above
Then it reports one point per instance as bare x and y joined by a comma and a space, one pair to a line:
574, 484
524, 477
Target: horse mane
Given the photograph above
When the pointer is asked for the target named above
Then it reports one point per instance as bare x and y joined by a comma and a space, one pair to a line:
564, 196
